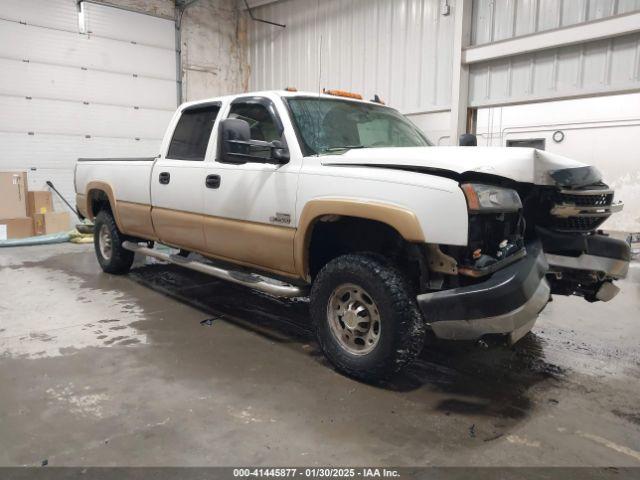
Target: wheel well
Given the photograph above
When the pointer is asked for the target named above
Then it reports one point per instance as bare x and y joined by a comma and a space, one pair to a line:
334, 235
98, 201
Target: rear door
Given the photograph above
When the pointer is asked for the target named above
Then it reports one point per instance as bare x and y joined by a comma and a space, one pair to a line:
178, 179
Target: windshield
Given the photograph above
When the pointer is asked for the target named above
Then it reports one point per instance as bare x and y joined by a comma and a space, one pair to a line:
329, 126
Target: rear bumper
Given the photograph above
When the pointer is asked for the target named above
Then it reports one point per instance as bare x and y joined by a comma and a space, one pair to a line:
507, 303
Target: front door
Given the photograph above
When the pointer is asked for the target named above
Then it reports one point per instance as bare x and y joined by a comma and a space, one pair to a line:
178, 180
250, 207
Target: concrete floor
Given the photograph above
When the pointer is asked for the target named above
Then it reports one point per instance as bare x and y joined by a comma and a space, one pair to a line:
104, 370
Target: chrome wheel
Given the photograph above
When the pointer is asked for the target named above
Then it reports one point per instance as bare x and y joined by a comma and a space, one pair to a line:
354, 319
105, 242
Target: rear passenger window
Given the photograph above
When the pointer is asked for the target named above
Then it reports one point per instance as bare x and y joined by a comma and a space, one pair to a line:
191, 136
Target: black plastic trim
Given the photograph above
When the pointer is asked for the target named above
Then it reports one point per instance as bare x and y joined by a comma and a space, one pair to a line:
576, 177
505, 291
201, 106
438, 172
268, 104
273, 111
575, 244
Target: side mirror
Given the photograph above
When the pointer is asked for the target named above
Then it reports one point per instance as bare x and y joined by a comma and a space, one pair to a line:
279, 152
236, 143
234, 133
468, 140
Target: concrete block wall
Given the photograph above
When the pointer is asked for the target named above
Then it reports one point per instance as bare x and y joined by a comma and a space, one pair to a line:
213, 44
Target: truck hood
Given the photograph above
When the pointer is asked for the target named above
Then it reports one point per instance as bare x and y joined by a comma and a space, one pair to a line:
527, 165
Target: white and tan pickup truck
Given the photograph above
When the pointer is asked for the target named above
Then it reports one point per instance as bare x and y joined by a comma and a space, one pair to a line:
346, 201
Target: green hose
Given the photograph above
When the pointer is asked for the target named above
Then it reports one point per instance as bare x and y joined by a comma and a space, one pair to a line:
39, 240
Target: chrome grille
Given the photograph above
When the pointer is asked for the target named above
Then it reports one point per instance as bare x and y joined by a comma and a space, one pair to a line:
582, 210
592, 199
578, 224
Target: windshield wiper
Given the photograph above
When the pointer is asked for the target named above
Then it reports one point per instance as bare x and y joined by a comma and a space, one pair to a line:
345, 147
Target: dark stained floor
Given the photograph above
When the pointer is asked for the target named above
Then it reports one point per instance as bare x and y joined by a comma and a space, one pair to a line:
169, 367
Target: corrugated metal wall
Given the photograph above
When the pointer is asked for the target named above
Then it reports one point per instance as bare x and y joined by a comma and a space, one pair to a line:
108, 92
495, 20
607, 66
400, 49
601, 67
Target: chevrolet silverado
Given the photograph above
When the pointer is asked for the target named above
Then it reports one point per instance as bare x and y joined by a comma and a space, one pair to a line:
347, 202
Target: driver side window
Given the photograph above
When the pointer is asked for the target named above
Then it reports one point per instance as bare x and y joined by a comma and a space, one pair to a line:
261, 123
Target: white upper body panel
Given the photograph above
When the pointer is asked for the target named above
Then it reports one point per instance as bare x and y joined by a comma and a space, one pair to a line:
130, 180
519, 164
437, 202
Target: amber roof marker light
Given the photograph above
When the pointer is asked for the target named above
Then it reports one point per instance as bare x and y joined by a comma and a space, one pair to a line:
342, 93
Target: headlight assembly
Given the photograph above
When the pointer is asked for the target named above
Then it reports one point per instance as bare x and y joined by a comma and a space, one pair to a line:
489, 199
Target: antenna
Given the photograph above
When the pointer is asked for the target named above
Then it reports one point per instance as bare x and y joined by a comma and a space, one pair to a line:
319, 92
317, 132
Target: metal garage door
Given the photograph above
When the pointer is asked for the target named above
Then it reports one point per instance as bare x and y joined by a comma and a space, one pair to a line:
81, 82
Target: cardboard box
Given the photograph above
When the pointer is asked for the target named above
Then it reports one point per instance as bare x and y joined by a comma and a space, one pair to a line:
39, 202
52, 222
21, 227
13, 194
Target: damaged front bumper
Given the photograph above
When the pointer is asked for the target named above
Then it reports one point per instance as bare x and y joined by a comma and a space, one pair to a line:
508, 303
595, 252
585, 265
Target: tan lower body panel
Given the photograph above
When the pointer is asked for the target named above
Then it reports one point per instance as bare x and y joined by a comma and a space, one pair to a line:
181, 229
135, 219
81, 204
262, 246
266, 246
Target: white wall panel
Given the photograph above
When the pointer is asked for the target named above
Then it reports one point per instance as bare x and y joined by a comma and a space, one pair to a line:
57, 14
60, 47
52, 157
71, 118
46, 151
120, 24
399, 49
39, 80
495, 20
66, 94
602, 67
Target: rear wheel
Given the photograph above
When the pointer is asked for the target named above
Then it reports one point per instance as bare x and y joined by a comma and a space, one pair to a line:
107, 240
367, 321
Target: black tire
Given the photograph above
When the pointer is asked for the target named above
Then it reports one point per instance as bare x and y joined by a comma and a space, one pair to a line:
120, 260
401, 325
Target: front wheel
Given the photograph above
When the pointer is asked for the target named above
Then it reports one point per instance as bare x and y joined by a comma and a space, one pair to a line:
107, 240
367, 322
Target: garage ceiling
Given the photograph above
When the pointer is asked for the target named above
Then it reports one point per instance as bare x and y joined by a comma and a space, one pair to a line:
100, 82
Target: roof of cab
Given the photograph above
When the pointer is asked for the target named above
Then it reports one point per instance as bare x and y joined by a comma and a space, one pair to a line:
281, 93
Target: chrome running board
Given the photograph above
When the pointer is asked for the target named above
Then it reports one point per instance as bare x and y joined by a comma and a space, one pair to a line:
257, 282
